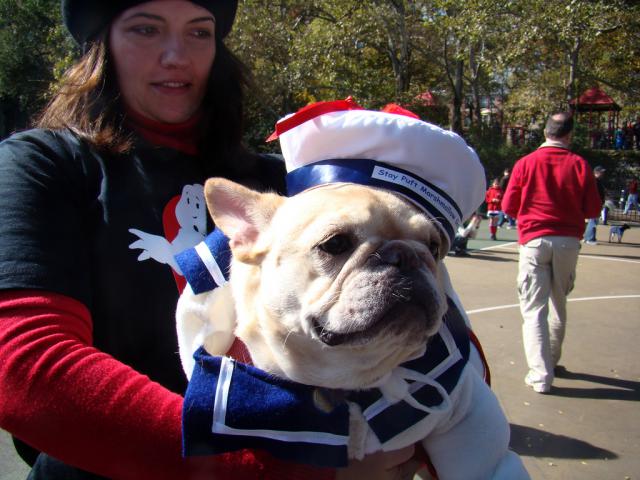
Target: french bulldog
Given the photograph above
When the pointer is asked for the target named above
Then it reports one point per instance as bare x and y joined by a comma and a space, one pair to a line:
337, 287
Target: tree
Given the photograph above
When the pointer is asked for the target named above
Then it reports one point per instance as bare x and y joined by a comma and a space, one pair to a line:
555, 53
534, 55
322, 50
33, 44
459, 37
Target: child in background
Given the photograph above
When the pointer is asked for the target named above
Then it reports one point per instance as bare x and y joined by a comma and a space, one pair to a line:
494, 206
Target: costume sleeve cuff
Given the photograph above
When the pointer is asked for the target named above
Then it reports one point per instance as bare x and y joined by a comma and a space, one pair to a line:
231, 406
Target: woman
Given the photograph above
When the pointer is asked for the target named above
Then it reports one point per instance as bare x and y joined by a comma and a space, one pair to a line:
95, 203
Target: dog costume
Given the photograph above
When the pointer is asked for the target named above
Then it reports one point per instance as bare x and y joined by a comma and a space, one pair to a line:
438, 398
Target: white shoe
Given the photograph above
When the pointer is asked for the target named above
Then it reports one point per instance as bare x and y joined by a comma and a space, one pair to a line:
591, 242
537, 386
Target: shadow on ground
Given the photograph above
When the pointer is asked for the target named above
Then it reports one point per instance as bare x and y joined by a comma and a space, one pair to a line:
491, 256
531, 442
621, 389
622, 257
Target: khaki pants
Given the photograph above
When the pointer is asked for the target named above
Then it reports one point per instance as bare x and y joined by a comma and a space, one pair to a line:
546, 275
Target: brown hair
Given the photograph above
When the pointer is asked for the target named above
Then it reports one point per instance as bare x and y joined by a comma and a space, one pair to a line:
87, 102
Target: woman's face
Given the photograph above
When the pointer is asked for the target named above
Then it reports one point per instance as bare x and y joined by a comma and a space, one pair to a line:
163, 51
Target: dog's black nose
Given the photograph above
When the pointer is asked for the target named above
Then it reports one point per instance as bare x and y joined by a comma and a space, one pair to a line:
399, 254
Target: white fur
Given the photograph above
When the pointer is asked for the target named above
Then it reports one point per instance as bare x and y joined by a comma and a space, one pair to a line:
206, 319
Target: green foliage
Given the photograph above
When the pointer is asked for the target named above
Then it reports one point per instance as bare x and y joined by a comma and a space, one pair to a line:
495, 154
32, 44
620, 165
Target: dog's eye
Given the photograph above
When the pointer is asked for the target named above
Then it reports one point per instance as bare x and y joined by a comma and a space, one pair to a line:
337, 244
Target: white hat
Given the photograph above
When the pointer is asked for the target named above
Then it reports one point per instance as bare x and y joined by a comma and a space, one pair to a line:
329, 142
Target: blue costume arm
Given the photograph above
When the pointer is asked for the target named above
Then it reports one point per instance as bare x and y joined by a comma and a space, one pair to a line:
230, 406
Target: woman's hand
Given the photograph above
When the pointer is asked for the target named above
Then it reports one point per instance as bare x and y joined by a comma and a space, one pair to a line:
396, 465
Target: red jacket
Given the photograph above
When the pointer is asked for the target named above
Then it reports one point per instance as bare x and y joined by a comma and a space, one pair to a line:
551, 192
493, 198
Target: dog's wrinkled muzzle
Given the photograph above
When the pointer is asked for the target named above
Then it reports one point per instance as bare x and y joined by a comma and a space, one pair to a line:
396, 294
406, 258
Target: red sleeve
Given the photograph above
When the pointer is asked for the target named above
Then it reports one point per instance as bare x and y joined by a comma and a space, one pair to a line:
62, 396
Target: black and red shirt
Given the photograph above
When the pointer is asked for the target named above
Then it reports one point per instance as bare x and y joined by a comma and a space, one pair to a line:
89, 367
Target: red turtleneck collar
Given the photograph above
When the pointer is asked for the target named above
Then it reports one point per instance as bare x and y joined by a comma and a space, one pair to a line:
179, 136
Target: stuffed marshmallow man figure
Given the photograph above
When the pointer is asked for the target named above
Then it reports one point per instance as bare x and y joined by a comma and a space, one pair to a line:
439, 399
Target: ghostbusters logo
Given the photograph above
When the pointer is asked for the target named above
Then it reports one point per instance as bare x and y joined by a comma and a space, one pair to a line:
185, 225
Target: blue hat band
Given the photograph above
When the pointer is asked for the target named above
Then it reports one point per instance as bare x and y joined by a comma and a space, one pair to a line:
430, 198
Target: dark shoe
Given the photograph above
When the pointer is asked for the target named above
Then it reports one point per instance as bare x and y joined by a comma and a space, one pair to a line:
493, 237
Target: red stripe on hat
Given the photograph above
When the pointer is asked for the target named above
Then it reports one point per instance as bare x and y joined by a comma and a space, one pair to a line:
310, 112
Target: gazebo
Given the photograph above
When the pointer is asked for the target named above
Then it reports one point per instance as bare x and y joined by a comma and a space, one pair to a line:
596, 102
427, 105
427, 98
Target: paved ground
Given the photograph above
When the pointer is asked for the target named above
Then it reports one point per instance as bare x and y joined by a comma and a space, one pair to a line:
588, 427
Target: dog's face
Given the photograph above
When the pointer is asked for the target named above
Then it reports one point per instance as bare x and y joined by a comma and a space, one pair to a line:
333, 287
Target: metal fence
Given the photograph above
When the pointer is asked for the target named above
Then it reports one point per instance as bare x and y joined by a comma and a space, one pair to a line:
617, 215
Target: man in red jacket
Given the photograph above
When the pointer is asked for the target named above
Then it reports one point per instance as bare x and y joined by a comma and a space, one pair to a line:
551, 192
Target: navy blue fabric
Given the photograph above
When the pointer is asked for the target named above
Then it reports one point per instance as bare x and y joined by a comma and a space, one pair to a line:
193, 268
258, 400
400, 416
360, 171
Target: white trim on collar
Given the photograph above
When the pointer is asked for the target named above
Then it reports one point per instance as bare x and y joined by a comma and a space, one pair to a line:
554, 143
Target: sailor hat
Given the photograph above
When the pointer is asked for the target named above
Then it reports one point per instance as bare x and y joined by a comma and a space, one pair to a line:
339, 141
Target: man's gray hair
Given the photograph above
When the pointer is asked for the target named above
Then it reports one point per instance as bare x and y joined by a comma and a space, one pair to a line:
559, 125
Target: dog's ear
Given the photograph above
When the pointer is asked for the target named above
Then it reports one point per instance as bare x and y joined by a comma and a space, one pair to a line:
241, 213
